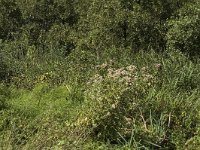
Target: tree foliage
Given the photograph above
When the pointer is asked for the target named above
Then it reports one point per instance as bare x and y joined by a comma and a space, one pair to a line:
39, 29
184, 33
10, 19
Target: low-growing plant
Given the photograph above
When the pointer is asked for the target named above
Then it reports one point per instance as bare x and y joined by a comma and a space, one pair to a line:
114, 95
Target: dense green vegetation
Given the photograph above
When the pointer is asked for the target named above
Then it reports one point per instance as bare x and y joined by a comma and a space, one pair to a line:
99, 74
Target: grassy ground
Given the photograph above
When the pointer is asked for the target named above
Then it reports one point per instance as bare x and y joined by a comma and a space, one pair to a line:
156, 106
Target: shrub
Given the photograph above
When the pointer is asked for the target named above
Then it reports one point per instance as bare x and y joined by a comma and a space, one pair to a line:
4, 72
4, 95
10, 19
114, 95
129, 104
184, 33
104, 24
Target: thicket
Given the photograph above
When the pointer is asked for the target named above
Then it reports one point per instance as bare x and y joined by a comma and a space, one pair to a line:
51, 30
119, 74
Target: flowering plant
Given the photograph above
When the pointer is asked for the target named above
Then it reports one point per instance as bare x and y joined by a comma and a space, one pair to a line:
112, 97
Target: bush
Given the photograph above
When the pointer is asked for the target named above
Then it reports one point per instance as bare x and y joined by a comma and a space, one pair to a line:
112, 99
184, 33
4, 72
129, 105
4, 96
117, 26
10, 19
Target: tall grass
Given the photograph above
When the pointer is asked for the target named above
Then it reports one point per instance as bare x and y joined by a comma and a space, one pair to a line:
106, 113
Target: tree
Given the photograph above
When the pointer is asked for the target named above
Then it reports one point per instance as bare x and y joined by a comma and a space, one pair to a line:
10, 19
121, 24
184, 33
42, 18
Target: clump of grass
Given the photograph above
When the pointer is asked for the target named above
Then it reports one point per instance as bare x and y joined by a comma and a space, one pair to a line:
36, 119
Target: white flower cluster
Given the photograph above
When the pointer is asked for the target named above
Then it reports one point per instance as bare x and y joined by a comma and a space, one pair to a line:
128, 75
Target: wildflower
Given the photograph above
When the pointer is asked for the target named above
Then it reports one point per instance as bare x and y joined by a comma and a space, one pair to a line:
110, 72
131, 68
124, 72
127, 79
128, 120
135, 78
111, 61
108, 114
158, 67
113, 106
143, 69
148, 77
96, 76
104, 65
117, 72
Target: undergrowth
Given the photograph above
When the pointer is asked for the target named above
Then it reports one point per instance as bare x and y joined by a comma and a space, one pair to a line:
149, 101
